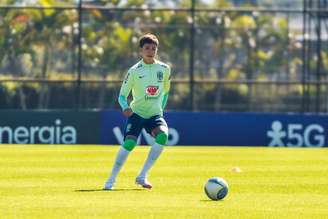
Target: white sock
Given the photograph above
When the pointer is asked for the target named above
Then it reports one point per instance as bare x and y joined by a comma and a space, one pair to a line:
120, 160
153, 155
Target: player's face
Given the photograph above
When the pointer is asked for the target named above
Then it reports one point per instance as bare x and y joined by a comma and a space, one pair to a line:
148, 52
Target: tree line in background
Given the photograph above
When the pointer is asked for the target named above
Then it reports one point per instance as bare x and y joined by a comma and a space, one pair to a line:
232, 49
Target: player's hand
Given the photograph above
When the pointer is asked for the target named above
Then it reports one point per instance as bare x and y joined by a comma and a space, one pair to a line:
127, 112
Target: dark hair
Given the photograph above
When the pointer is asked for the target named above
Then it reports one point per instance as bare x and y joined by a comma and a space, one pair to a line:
148, 39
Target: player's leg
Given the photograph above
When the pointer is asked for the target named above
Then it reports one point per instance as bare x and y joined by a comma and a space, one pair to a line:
159, 130
132, 131
122, 154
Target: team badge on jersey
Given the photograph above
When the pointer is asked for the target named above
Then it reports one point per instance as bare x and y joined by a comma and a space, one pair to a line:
159, 76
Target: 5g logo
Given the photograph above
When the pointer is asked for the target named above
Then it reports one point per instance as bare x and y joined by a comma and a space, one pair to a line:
296, 135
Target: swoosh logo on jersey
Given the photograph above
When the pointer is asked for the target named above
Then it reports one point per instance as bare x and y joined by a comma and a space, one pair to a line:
142, 76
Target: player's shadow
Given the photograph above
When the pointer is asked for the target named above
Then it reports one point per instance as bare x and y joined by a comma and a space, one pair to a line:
103, 190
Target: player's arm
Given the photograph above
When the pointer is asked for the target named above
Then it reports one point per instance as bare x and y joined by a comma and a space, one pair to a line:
167, 86
124, 93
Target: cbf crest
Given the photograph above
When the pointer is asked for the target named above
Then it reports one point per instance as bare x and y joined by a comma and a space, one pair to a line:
159, 76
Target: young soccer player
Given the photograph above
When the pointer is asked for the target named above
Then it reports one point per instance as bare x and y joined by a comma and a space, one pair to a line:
149, 81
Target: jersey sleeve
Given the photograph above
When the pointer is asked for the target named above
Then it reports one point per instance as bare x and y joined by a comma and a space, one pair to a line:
167, 85
125, 90
167, 80
127, 84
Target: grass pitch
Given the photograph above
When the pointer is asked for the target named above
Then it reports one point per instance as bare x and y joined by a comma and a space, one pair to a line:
66, 182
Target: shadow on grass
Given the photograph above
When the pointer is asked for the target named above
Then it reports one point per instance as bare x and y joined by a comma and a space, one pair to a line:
209, 200
103, 190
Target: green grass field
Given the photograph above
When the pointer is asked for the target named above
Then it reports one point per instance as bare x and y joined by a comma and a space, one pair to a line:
66, 182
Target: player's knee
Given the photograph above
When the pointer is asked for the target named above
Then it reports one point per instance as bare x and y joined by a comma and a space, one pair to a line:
161, 138
129, 144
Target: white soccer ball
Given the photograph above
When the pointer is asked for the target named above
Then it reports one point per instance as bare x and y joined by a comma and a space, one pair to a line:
216, 188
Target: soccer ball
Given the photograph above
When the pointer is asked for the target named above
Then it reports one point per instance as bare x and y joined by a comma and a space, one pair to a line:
216, 188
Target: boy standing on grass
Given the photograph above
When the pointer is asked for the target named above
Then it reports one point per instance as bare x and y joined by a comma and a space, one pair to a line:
149, 80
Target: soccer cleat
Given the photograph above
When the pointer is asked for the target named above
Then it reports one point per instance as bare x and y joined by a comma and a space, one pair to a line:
143, 182
108, 186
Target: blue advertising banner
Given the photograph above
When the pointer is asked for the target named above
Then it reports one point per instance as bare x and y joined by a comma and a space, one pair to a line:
185, 128
230, 129
49, 127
